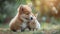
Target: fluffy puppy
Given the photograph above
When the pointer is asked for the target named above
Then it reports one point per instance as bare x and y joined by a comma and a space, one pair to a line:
19, 22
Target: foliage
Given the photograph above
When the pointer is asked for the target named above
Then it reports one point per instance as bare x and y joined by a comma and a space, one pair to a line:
8, 8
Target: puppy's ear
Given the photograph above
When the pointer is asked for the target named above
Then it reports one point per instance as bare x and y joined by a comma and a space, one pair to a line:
20, 8
30, 5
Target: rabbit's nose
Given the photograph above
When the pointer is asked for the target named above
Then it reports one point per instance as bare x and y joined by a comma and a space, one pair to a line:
31, 18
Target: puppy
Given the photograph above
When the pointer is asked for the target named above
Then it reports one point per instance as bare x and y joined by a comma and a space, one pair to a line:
19, 22
34, 24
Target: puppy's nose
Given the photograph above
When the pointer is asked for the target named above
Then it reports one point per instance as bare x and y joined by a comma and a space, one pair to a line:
31, 18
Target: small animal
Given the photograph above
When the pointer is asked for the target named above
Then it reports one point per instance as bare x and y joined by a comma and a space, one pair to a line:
34, 24
19, 22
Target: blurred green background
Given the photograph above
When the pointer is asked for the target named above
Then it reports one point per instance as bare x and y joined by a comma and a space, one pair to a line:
49, 15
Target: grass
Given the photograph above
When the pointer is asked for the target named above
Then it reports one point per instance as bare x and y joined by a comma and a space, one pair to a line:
45, 29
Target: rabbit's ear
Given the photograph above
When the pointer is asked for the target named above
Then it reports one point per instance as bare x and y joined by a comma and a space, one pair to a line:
36, 15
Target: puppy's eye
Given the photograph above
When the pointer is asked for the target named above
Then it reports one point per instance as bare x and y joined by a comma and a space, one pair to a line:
27, 14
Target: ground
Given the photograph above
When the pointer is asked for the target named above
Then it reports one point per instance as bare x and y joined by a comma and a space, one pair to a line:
45, 29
